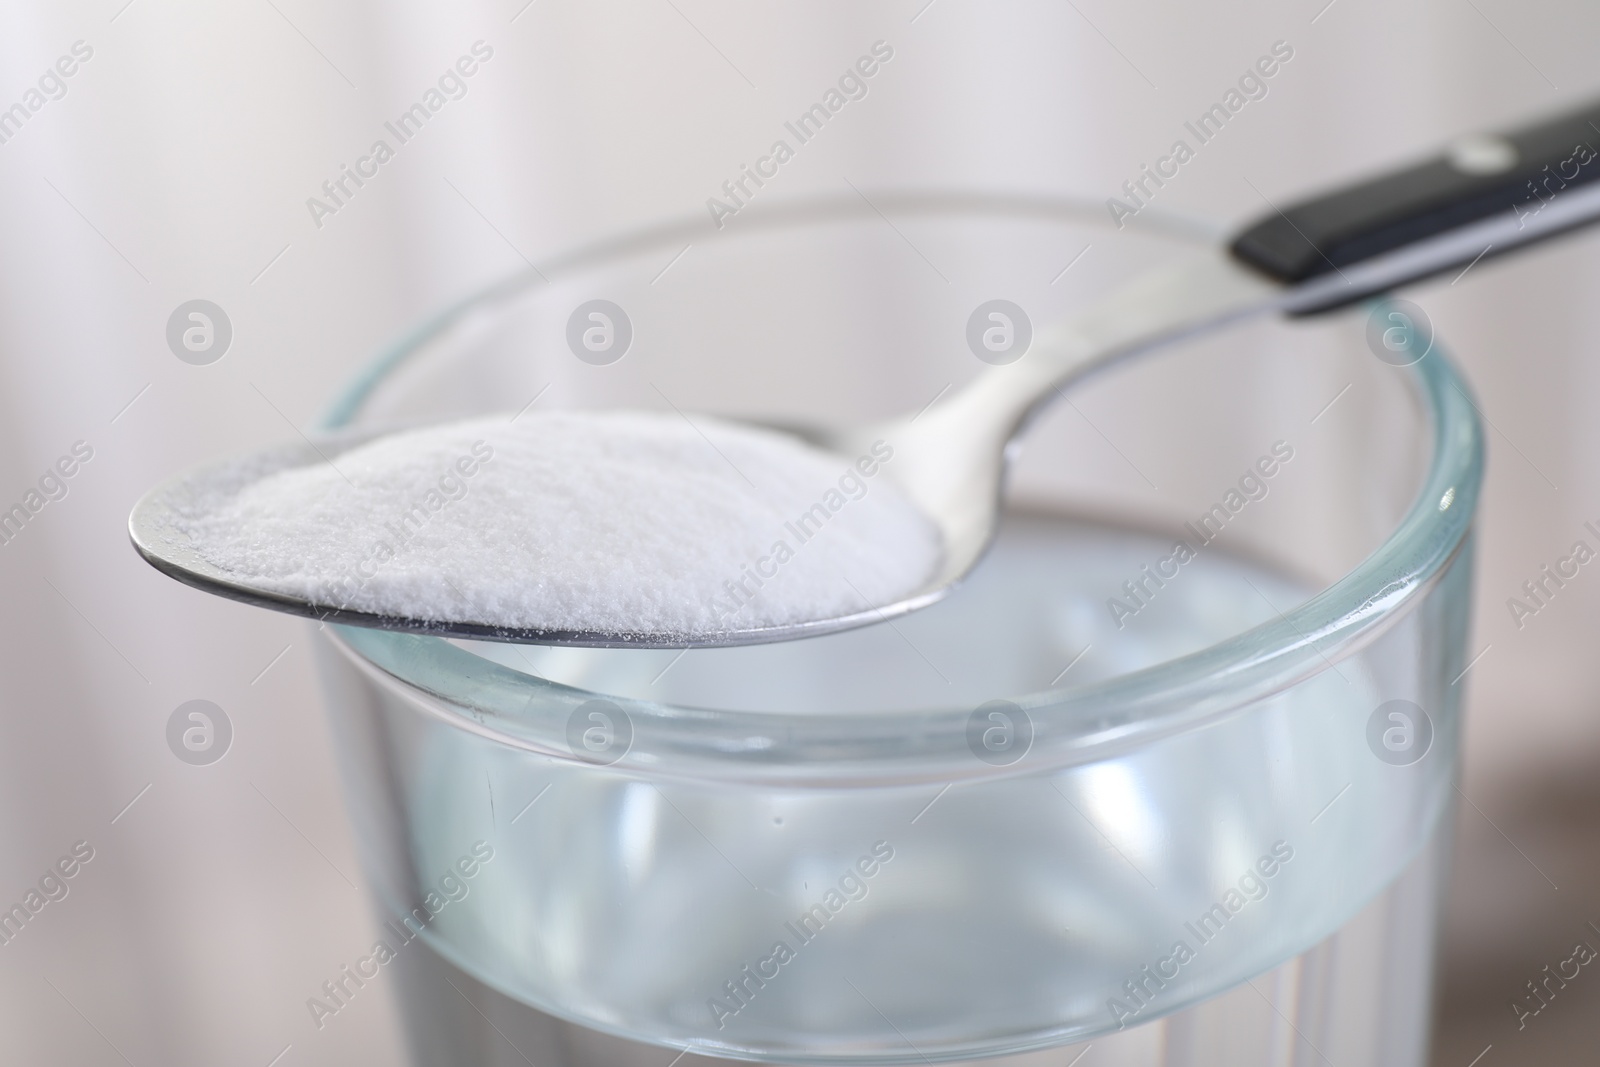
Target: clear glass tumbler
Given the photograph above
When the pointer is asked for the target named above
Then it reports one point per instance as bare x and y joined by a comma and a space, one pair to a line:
1169, 775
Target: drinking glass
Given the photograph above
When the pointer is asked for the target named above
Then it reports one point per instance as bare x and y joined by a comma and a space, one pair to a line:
1171, 774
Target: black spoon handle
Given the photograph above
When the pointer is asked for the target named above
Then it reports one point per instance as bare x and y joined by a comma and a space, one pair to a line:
1485, 194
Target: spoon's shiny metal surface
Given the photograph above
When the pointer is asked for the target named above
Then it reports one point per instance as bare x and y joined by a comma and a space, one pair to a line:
949, 459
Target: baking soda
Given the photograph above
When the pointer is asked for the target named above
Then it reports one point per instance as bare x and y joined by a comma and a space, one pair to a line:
615, 522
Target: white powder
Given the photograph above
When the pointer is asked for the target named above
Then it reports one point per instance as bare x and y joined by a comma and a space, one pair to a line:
619, 522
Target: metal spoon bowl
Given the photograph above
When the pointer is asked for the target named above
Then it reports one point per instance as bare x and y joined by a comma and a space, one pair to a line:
157, 531
949, 459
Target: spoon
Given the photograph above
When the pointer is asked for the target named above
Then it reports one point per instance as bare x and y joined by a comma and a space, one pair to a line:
1484, 195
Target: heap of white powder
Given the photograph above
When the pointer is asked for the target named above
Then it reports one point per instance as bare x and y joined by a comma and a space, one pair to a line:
621, 522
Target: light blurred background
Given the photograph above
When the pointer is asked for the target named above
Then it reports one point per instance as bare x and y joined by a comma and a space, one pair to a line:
177, 164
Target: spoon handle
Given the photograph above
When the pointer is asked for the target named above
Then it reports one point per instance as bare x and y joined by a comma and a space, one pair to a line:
1483, 195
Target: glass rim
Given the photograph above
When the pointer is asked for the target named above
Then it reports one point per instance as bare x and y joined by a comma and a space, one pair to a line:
1069, 725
